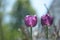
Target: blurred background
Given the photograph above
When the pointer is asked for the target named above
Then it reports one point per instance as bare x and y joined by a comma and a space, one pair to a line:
12, 13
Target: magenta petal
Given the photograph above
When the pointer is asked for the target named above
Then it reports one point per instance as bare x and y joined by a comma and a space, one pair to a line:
46, 20
30, 20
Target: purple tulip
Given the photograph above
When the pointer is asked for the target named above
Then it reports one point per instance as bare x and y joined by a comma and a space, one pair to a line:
46, 20
30, 20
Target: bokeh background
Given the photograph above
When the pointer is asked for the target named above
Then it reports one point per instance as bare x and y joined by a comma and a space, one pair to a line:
12, 13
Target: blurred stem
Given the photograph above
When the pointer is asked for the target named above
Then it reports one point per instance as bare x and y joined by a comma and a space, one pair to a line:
1, 29
46, 32
46, 8
31, 33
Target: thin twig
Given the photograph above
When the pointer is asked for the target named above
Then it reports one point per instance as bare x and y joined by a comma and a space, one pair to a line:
46, 8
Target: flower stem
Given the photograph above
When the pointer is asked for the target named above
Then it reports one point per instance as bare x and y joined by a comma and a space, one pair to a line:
46, 32
31, 33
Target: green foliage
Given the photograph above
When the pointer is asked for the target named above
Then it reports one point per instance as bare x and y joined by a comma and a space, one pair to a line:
20, 10
10, 34
10, 31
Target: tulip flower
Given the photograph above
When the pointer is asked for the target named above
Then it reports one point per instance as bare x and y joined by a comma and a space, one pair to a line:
30, 20
47, 20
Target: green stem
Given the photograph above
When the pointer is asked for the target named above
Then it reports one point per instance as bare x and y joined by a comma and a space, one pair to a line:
31, 33
1, 29
46, 32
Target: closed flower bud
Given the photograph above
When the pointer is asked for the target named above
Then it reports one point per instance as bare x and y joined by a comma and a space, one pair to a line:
46, 20
30, 20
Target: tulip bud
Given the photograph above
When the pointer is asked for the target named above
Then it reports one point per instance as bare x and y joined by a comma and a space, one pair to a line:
30, 20
47, 20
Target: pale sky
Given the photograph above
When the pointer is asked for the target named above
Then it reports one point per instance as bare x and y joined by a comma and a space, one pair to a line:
8, 8
38, 5
9, 5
